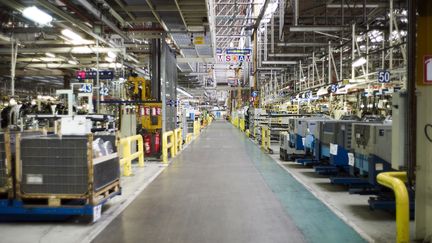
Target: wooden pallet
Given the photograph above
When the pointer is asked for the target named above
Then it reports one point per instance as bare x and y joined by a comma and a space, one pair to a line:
57, 200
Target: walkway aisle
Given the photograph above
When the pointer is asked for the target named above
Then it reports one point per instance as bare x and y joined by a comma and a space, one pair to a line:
222, 188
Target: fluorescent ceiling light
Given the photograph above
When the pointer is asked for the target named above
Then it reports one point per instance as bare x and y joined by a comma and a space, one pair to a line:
184, 93
49, 54
112, 55
73, 62
37, 15
359, 62
72, 36
109, 59
115, 65
279, 62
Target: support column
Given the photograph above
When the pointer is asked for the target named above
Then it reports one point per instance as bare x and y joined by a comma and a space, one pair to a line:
423, 146
155, 69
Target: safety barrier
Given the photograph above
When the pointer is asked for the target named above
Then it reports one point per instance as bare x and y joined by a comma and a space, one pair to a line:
396, 182
168, 145
255, 133
247, 133
242, 124
178, 141
197, 127
265, 138
127, 156
189, 138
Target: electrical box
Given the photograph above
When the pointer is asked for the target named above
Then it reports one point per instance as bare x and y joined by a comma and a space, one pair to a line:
373, 139
151, 116
399, 106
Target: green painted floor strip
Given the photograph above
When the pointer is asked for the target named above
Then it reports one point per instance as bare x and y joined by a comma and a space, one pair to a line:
316, 221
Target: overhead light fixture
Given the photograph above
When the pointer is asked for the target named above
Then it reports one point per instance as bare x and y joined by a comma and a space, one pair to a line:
72, 62
359, 62
49, 54
312, 28
109, 59
37, 15
184, 93
74, 37
279, 62
112, 55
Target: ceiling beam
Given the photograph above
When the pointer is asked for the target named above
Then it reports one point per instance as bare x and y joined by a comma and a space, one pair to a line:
74, 50
310, 28
195, 59
302, 44
359, 5
289, 54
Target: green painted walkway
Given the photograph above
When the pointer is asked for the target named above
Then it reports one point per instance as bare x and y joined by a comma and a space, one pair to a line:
315, 220
222, 189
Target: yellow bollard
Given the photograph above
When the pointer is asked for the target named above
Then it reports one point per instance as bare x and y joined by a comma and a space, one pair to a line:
396, 182
127, 157
166, 145
196, 128
178, 140
189, 138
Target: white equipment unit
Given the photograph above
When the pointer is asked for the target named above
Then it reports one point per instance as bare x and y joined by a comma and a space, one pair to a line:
75, 125
399, 107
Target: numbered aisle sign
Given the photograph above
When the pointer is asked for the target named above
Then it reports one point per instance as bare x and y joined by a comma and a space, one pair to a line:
86, 88
104, 91
383, 76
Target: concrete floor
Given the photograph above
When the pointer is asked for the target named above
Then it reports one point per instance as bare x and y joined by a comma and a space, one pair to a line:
75, 230
222, 188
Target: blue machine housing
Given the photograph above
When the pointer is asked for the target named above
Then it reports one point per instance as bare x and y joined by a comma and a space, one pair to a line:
339, 134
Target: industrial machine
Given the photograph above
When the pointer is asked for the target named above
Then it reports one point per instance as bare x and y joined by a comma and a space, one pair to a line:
311, 141
284, 146
372, 145
335, 144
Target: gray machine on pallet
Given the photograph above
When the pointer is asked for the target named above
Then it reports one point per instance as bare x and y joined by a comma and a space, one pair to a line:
372, 146
337, 132
284, 145
65, 167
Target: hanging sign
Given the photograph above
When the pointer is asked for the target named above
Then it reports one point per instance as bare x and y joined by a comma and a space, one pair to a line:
427, 66
103, 75
234, 55
199, 40
334, 88
104, 91
383, 76
86, 88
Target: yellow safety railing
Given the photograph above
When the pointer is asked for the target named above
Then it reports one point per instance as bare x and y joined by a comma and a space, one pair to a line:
168, 145
178, 141
265, 138
197, 128
242, 124
189, 137
127, 156
255, 133
396, 182
247, 133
